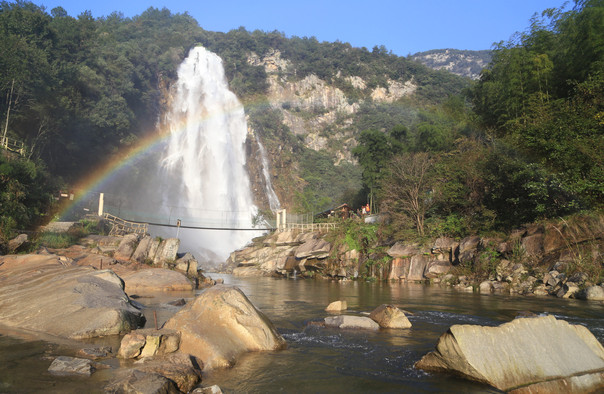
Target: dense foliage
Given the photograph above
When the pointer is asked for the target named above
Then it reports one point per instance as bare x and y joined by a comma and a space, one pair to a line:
25, 194
544, 95
531, 148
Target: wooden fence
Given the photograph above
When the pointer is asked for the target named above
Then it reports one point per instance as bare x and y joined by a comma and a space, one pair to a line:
120, 226
13, 145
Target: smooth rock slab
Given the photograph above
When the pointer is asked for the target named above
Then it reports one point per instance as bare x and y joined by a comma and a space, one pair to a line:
48, 293
156, 279
220, 324
354, 322
540, 354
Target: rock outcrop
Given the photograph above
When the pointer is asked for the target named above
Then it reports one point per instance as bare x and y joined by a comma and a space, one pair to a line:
222, 323
51, 294
526, 355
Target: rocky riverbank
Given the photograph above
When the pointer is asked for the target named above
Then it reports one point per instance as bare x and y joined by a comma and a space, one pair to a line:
77, 294
559, 259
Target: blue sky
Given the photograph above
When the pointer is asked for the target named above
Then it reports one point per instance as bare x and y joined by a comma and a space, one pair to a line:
403, 26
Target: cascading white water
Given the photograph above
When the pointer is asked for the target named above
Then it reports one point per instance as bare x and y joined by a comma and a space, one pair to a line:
273, 200
203, 171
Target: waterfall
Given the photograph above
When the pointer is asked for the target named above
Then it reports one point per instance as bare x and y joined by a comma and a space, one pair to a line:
202, 172
273, 200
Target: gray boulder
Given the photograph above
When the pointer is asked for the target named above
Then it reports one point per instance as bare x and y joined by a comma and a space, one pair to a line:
63, 365
136, 381
353, 322
513, 356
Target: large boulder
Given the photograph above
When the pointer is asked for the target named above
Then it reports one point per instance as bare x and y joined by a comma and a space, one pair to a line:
389, 316
540, 354
166, 251
222, 323
156, 279
127, 247
50, 294
177, 367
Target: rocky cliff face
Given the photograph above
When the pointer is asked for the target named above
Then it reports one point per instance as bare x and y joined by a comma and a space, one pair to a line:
463, 63
318, 113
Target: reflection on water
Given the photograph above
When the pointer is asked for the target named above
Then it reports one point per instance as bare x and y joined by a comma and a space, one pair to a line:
320, 359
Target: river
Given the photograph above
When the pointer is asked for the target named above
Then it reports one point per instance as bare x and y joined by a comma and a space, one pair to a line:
321, 360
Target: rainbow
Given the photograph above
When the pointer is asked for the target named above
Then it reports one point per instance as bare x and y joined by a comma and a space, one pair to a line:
125, 159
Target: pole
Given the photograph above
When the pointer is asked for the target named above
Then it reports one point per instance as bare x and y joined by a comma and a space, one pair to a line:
101, 203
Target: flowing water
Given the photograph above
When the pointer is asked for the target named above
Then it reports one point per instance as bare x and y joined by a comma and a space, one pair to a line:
202, 174
197, 176
320, 359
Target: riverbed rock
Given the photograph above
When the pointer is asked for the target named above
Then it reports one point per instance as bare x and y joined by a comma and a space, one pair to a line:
149, 342
515, 356
136, 381
178, 367
156, 279
389, 316
353, 322
50, 294
222, 323
64, 365
337, 306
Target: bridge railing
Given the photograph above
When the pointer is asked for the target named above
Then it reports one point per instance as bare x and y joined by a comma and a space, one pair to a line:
120, 226
309, 226
13, 145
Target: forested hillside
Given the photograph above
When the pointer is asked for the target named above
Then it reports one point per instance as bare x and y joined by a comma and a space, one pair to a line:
341, 124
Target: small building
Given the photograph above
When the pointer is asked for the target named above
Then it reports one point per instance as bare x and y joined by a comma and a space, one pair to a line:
343, 211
